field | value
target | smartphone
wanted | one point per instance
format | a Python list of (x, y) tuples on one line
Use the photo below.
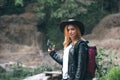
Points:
[(49, 44)]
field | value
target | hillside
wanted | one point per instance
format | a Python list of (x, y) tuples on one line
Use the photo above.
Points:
[(21, 42), (18, 37), (106, 34)]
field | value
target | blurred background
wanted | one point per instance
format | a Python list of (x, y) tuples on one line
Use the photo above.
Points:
[(27, 25)]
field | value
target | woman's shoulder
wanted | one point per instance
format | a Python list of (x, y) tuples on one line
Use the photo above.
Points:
[(82, 43)]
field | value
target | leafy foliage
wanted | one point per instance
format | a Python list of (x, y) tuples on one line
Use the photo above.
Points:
[(113, 74), (19, 72), (9, 7), (19, 2), (105, 61), (52, 12), (13, 6)]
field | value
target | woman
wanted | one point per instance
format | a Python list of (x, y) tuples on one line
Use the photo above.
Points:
[(74, 60)]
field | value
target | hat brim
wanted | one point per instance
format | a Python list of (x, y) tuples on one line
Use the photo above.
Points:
[(77, 23)]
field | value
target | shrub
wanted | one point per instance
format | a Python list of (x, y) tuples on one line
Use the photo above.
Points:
[(105, 61), (113, 74), (19, 72), (22, 72)]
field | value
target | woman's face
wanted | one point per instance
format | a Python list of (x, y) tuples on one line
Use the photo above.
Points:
[(72, 31)]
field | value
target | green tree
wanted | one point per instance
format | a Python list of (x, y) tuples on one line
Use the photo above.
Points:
[(13, 6), (51, 12), (19, 2), (110, 6)]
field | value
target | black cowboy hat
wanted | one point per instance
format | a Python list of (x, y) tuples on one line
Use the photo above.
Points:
[(74, 22)]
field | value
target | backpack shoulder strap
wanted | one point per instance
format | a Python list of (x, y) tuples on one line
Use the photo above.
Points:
[(81, 41)]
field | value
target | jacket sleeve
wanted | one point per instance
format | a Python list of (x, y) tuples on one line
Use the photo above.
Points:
[(82, 62), (56, 57)]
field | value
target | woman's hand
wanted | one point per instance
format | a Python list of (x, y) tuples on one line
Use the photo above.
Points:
[(51, 49)]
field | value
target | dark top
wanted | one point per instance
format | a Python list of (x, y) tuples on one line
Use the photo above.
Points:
[(77, 61)]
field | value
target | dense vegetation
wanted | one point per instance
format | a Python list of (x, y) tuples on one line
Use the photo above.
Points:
[(19, 72), (8, 7), (107, 70), (105, 63)]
